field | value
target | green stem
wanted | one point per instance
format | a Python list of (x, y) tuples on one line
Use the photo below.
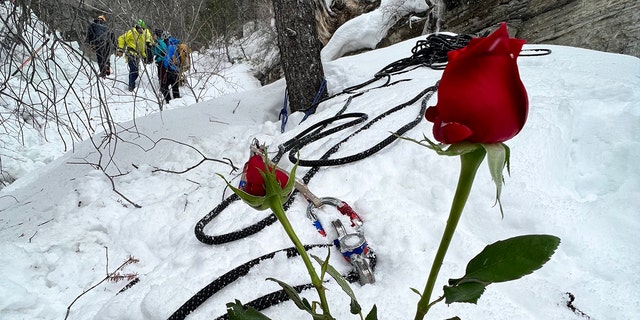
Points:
[(469, 166), (276, 206)]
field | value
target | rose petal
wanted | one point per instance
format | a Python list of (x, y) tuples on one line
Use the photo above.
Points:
[(455, 132), (431, 114)]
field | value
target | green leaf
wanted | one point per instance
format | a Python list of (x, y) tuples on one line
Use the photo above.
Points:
[(373, 314), (293, 294), (306, 303), (416, 291), (355, 306), (292, 179), (468, 292), (272, 186), (497, 159), (325, 265), (256, 202), (236, 311), (510, 259), (318, 316), (452, 150), (508, 156), (461, 148)]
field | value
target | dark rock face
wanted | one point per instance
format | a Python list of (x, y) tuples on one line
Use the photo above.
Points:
[(605, 25)]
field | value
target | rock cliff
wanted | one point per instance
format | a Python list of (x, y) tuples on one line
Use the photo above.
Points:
[(605, 25)]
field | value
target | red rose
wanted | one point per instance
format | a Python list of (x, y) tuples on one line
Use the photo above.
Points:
[(254, 181), (480, 97)]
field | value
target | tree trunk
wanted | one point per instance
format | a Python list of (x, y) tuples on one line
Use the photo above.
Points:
[(299, 51)]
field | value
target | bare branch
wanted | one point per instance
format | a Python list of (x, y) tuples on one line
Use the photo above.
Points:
[(113, 276)]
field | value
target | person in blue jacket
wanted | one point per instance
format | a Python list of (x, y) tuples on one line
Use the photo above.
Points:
[(172, 64)]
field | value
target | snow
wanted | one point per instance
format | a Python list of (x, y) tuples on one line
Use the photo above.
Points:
[(366, 30), (572, 175)]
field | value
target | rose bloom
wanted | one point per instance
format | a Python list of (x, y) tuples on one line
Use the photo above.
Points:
[(481, 98), (255, 185)]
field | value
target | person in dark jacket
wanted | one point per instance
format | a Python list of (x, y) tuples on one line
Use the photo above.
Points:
[(101, 40)]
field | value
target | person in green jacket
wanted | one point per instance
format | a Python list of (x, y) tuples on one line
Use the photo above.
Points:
[(133, 44)]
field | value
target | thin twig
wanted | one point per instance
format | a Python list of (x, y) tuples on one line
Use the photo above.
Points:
[(34, 234), (46, 222), (109, 276)]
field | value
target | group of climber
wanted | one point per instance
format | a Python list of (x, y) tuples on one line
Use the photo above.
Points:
[(139, 44)]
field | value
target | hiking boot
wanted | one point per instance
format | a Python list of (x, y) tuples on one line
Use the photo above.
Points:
[(131, 89)]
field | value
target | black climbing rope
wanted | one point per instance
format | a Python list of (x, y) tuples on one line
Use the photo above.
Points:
[(233, 275)]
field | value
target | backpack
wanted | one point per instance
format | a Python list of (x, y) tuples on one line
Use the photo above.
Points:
[(171, 59), (184, 55), (175, 62)]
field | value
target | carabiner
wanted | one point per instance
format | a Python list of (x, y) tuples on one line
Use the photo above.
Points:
[(353, 246)]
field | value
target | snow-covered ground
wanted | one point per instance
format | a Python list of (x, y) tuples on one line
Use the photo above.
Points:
[(573, 175)]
